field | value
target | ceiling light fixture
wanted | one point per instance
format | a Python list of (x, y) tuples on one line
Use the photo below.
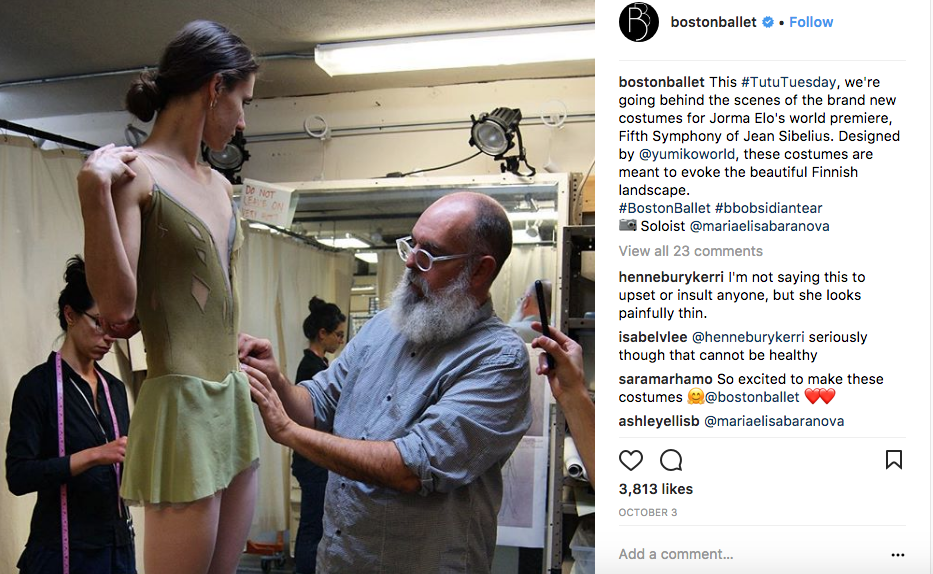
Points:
[(542, 215), (368, 256), (492, 134), (346, 242), (520, 237), (459, 50)]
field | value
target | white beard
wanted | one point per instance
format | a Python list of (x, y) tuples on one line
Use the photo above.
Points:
[(437, 316), (517, 316)]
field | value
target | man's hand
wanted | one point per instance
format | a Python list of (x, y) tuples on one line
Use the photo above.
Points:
[(257, 353), (270, 406), (374, 462), (567, 374), (568, 386)]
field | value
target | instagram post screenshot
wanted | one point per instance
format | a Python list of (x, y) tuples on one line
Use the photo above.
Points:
[(763, 287), (295, 287)]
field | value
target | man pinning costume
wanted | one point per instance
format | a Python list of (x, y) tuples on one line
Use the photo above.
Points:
[(419, 413)]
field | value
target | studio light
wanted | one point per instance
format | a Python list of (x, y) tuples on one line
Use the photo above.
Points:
[(460, 50), (229, 160), (492, 134), (533, 229), (134, 136)]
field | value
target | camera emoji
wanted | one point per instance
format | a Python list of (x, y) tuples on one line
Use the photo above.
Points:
[(628, 225)]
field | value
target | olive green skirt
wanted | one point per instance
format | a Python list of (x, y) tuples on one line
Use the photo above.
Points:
[(188, 439)]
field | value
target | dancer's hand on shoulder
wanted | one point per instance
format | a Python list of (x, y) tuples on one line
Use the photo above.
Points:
[(106, 167)]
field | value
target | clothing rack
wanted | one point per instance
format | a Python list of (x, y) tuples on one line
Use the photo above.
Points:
[(26, 130)]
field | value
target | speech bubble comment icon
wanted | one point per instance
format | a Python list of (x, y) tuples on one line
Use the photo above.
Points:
[(671, 460)]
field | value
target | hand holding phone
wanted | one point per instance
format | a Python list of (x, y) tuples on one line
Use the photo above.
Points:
[(542, 313)]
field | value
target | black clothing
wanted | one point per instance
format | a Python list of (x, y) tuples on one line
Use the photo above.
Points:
[(33, 464), (313, 481), (310, 365), (109, 560)]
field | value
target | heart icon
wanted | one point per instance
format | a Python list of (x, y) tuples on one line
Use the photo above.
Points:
[(630, 459), (813, 395), (827, 395)]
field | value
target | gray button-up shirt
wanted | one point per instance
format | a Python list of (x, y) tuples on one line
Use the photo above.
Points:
[(456, 411)]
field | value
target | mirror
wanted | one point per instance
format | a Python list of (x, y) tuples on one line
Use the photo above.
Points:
[(367, 216)]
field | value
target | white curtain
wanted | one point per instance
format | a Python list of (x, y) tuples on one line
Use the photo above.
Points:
[(389, 269), (278, 276), (524, 265), (40, 228)]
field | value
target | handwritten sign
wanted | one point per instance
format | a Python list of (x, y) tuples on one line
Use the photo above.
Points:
[(267, 203)]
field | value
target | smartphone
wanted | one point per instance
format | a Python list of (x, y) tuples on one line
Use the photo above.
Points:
[(542, 312)]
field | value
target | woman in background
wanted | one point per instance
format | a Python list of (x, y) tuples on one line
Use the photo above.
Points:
[(161, 241), (325, 327), (94, 422)]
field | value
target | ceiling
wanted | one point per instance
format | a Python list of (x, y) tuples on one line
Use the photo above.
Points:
[(55, 38)]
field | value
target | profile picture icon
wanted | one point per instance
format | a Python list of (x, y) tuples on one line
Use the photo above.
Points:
[(639, 21)]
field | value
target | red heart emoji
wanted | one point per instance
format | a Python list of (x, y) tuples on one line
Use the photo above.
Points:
[(813, 395), (827, 395)]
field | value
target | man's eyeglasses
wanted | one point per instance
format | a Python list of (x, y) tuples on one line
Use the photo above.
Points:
[(423, 259), (97, 325)]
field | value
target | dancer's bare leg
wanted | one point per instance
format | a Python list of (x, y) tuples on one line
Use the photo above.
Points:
[(181, 539), (206, 536), (236, 516)]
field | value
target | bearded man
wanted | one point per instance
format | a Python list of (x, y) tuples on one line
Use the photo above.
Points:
[(527, 312), (418, 414)]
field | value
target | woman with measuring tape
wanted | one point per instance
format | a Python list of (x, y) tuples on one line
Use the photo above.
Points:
[(67, 440)]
